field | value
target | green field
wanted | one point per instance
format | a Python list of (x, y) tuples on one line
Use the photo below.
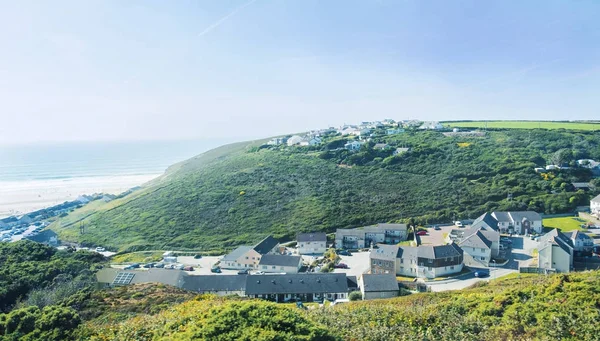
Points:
[(565, 224), (525, 125)]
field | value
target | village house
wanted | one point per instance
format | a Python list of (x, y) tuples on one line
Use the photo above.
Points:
[(353, 146), (480, 245), (280, 263), (294, 140), (373, 286), (431, 126), (221, 285), (595, 206), (381, 146), (521, 222), (306, 287), (276, 141), (370, 235), (581, 241), (248, 257), (555, 252), (400, 151), (311, 243), (422, 261)]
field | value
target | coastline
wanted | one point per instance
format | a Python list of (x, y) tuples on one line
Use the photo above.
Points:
[(19, 197)]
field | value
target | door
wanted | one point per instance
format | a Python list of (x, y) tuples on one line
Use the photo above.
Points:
[(280, 298)]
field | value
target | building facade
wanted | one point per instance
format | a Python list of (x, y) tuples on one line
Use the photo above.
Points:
[(311, 243), (555, 252), (370, 235), (280, 263)]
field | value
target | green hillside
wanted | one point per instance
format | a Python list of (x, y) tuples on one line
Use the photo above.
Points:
[(525, 125), (558, 307), (237, 193)]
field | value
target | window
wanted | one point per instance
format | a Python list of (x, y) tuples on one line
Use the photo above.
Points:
[(281, 268), (401, 260), (452, 268), (246, 257), (429, 268), (274, 267), (264, 267), (482, 250), (482, 258)]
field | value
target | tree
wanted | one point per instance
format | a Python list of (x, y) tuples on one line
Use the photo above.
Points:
[(355, 296)]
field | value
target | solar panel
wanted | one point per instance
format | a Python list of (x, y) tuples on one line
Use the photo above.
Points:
[(123, 278)]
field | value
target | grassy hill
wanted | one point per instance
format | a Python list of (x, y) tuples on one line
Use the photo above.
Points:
[(557, 307), (238, 193), (525, 125)]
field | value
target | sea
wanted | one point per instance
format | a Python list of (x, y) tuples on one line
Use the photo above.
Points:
[(96, 159)]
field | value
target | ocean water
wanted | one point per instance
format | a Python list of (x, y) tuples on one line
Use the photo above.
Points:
[(95, 159)]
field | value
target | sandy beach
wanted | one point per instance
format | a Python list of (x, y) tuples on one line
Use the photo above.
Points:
[(17, 197)]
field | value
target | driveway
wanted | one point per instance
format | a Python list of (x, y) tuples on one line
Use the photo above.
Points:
[(358, 264), (434, 237), (203, 265)]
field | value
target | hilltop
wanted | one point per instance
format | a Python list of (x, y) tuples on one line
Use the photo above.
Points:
[(238, 193)]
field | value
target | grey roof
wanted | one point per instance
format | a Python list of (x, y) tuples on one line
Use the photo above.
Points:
[(380, 146), (266, 245), (312, 237), (164, 276), (9, 220), (576, 234), (439, 251), (488, 219), (237, 253), (212, 283), (306, 283), (280, 260), (387, 252), (555, 237), (352, 282), (522, 215), (408, 252), (476, 240), (379, 282), (581, 184), (596, 199), (502, 217), (377, 228)]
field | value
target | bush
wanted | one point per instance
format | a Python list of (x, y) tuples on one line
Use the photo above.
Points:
[(355, 296)]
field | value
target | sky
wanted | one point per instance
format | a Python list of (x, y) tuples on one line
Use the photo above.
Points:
[(115, 70)]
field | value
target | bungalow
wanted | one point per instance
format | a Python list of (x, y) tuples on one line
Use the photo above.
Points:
[(555, 252), (381, 146), (311, 243), (374, 286), (109, 277), (394, 131), (306, 287), (280, 263), (431, 126), (581, 241), (248, 257), (221, 285), (354, 145), (595, 206), (276, 141), (400, 151), (370, 235)]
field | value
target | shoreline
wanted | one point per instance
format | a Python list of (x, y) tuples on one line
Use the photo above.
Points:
[(20, 197)]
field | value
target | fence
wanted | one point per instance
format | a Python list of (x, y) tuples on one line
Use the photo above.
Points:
[(534, 270)]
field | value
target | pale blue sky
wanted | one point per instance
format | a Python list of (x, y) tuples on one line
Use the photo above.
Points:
[(129, 70)]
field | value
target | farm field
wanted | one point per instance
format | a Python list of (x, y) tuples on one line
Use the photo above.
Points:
[(525, 125), (565, 224)]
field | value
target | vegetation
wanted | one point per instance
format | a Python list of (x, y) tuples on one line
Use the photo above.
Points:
[(525, 125), (565, 224), (520, 307), (238, 193)]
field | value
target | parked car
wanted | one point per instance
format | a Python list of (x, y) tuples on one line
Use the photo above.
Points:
[(100, 249), (179, 266), (506, 240), (437, 228), (481, 274), (458, 223), (135, 265), (128, 267), (344, 253), (149, 265), (159, 265), (421, 233), (188, 268), (197, 256), (216, 270), (341, 266), (243, 272), (258, 273)]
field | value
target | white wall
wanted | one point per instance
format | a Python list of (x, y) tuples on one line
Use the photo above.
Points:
[(307, 248)]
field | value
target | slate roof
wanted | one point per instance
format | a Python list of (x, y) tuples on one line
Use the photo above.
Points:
[(280, 260), (476, 240), (164, 276), (502, 217), (488, 219), (213, 283), (385, 252), (521, 215), (312, 237), (237, 253), (352, 283), (266, 245), (439, 251), (306, 283), (555, 237), (576, 234), (379, 282), (408, 252)]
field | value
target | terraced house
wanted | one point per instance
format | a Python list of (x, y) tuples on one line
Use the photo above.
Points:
[(370, 235), (248, 257)]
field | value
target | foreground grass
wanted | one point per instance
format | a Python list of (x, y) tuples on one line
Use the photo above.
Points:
[(525, 125), (565, 224)]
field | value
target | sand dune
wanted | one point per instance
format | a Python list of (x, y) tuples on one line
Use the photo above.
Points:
[(18, 197)]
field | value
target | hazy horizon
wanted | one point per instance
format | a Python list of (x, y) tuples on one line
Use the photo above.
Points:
[(239, 70)]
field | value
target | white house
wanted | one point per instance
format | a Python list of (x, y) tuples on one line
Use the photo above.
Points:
[(581, 241), (555, 252), (311, 243), (520, 222), (381, 146), (595, 206), (400, 151), (248, 257), (370, 235), (354, 145), (431, 126), (280, 263), (294, 140)]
